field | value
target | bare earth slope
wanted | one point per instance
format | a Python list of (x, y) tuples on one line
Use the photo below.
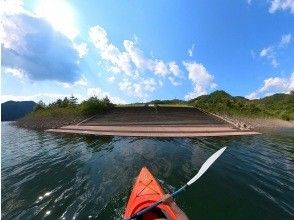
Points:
[(155, 122)]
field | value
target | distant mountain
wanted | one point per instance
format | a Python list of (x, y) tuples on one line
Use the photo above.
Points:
[(276, 106), (11, 110)]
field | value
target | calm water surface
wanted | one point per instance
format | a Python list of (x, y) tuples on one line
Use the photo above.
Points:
[(51, 176)]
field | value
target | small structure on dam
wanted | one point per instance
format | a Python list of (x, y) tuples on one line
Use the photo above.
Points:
[(154, 121)]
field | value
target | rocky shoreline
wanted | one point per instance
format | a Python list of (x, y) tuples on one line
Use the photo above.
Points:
[(258, 124)]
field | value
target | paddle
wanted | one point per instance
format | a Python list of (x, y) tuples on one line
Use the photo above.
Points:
[(202, 170)]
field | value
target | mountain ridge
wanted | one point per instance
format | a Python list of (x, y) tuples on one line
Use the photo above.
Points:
[(13, 110)]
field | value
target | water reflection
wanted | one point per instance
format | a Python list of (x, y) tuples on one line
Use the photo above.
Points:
[(53, 176)]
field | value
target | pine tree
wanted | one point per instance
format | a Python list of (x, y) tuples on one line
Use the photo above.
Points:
[(73, 100)]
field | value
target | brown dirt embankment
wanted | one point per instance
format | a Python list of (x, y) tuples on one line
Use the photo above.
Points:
[(150, 116), (42, 123)]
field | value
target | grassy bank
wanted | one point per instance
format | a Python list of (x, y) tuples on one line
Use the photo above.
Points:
[(63, 112)]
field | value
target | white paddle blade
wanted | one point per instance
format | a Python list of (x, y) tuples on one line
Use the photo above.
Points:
[(206, 165)]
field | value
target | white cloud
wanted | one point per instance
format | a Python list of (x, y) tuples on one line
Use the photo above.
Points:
[(50, 97), (285, 40), (99, 93), (160, 68), (82, 49), (19, 73), (252, 96), (82, 82), (191, 50), (281, 5), (11, 7), (136, 55), (273, 82), (274, 85), (271, 52), (266, 52), (116, 61), (174, 68), (33, 47), (111, 79), (131, 62), (149, 84), (198, 73), (202, 80), (45, 97), (174, 81), (139, 89)]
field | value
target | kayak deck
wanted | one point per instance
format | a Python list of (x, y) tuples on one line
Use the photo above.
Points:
[(145, 192)]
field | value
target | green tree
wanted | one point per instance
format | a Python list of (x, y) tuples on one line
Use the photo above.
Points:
[(65, 102), (40, 106), (106, 100), (73, 101)]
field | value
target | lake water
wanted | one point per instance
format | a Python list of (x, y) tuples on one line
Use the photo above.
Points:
[(55, 176)]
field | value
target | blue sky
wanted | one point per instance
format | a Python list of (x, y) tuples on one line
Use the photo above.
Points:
[(136, 51)]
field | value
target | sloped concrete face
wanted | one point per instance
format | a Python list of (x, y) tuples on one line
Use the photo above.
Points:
[(155, 122)]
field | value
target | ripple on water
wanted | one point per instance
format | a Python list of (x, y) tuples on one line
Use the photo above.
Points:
[(49, 176)]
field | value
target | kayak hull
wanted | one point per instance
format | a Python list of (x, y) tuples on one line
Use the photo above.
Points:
[(145, 192)]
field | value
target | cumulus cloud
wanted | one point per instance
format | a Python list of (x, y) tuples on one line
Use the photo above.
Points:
[(174, 68), (202, 80), (274, 85), (160, 68), (140, 88), (271, 52), (136, 55), (99, 93), (81, 82), (131, 62), (283, 5), (81, 48), (111, 79), (19, 73), (11, 7), (31, 46), (116, 61)]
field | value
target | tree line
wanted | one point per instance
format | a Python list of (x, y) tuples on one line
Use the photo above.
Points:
[(93, 105)]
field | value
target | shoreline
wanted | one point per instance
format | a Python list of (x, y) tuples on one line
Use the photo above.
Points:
[(49, 122), (258, 124), (243, 124)]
